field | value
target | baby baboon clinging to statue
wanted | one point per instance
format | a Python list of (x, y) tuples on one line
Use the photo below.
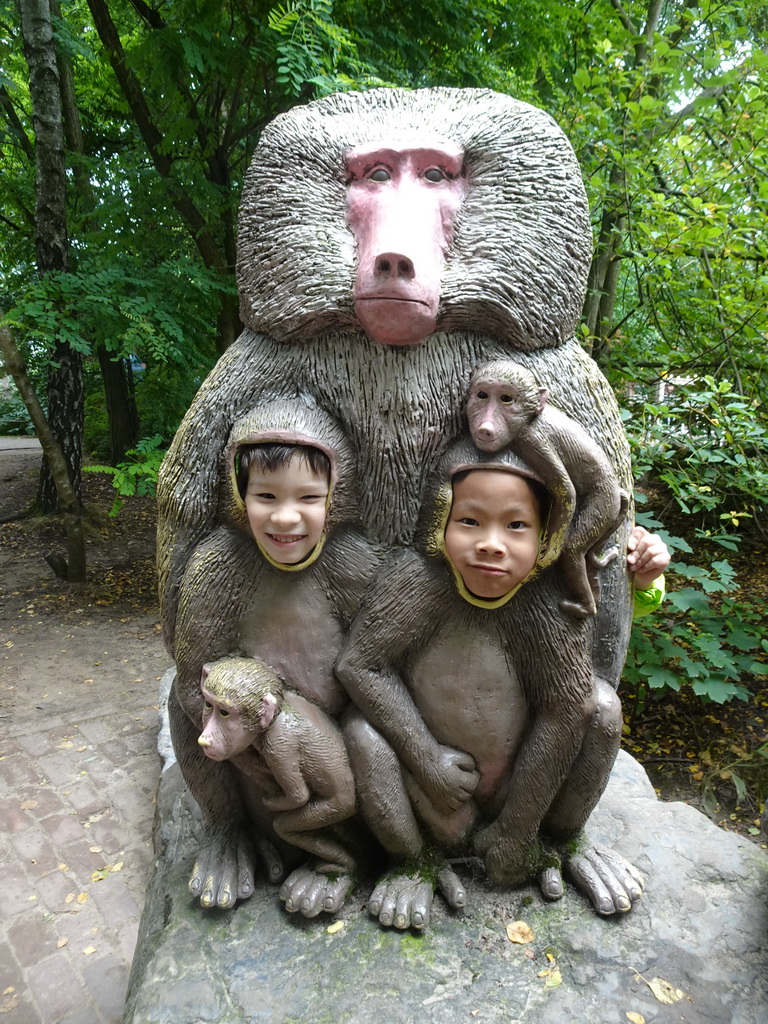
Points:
[(506, 408), (248, 712)]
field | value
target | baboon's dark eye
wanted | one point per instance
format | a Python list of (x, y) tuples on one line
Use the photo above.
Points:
[(223, 713), (482, 394), (507, 399), (380, 174), (434, 174)]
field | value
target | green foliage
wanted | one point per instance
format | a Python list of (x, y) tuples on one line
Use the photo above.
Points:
[(705, 635), (705, 444), (138, 474), (14, 418)]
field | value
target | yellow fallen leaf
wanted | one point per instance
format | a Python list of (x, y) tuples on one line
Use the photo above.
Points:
[(119, 867), (62, 867), (61, 942), (69, 897), (82, 897), (331, 929), (100, 875), (636, 1018), (520, 932), (554, 978), (89, 949), (664, 992), (95, 849), (29, 805), (7, 991)]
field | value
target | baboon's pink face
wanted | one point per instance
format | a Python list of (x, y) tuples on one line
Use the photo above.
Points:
[(224, 734), (401, 205)]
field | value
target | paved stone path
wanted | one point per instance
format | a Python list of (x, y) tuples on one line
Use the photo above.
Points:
[(78, 775), (76, 809)]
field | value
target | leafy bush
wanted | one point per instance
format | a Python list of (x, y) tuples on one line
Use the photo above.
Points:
[(14, 418), (138, 474), (704, 635), (707, 446)]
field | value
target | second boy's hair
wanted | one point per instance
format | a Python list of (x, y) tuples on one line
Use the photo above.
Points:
[(540, 493), (269, 457)]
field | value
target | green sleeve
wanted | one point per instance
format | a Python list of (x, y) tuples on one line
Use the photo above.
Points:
[(648, 600)]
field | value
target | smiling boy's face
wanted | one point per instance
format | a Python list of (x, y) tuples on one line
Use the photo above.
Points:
[(492, 535), (286, 509)]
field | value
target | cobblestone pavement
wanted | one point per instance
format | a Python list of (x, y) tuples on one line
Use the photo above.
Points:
[(76, 809), (78, 774)]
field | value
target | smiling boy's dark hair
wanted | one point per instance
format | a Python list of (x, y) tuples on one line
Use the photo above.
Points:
[(269, 457)]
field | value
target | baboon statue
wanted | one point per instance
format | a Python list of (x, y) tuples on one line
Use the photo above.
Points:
[(506, 408), (390, 243)]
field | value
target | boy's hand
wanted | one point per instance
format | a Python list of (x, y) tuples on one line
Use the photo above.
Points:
[(647, 556)]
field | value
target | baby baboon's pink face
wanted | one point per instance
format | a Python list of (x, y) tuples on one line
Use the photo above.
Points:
[(401, 206), (224, 734)]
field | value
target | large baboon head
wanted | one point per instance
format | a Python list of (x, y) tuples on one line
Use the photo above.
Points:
[(405, 213)]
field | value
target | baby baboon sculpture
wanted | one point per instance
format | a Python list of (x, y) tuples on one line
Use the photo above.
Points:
[(390, 244), (506, 408), (248, 712)]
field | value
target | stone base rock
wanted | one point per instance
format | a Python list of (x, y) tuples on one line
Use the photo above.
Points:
[(702, 927)]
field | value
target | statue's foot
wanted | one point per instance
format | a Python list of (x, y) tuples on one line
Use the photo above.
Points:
[(405, 900), (224, 869), (311, 890), (610, 882), (551, 883)]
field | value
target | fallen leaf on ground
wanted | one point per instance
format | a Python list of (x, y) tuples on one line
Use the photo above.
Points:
[(29, 805), (664, 992), (520, 932), (119, 867), (69, 897), (636, 1018), (95, 849), (61, 942), (83, 896), (89, 949), (100, 875), (331, 929)]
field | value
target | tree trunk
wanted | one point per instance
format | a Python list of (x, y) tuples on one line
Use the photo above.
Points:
[(69, 502), (65, 376), (121, 405)]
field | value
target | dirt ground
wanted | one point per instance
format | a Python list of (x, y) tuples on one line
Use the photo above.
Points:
[(63, 645), (60, 644)]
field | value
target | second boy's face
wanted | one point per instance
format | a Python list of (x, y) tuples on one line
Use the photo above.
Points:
[(286, 510), (492, 536)]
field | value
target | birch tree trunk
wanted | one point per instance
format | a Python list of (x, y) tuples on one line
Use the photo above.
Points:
[(65, 377)]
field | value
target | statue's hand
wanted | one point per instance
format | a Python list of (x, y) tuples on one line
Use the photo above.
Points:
[(450, 778)]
